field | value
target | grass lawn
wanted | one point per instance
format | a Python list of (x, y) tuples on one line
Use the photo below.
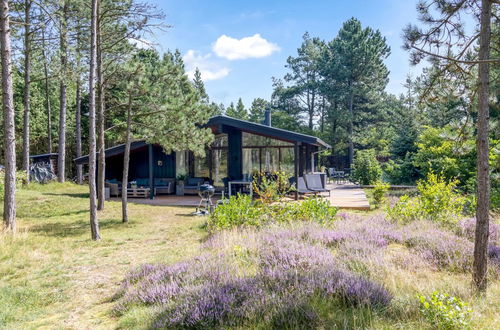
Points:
[(52, 274)]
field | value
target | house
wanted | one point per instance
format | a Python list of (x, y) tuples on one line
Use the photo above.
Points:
[(240, 149)]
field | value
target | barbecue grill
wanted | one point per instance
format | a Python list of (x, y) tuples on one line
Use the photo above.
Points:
[(205, 191)]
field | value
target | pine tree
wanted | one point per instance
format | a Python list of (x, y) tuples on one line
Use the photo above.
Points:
[(94, 224), (238, 112), (200, 86), (448, 46), (354, 63), (9, 202), (257, 109)]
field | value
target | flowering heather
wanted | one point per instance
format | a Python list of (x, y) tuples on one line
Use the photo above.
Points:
[(467, 228), (271, 275), (441, 248), (494, 255), (215, 291)]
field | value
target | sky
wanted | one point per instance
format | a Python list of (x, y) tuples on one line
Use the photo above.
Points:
[(240, 45)]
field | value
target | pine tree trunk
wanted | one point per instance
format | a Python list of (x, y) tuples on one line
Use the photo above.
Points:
[(126, 161), (26, 97), (61, 160), (78, 133), (47, 95), (9, 208), (79, 168), (483, 181), (101, 168), (351, 119), (94, 224)]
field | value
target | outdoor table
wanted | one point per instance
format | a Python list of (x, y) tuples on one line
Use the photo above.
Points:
[(240, 182), (138, 192), (339, 175)]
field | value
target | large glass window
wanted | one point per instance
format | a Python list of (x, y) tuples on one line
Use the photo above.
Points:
[(287, 160), (252, 140), (265, 154), (202, 166), (181, 163), (251, 162), (219, 166)]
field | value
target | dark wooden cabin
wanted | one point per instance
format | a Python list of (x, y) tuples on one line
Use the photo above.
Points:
[(240, 149)]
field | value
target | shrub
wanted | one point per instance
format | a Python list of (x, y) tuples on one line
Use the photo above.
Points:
[(495, 199), (401, 171), (407, 209), (366, 168), (242, 211), (494, 255), (315, 209), (440, 248), (445, 312), (467, 228), (271, 187), (239, 211), (21, 179), (437, 201), (379, 192)]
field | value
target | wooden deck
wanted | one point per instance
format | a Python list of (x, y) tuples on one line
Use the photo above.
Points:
[(348, 196), (344, 196)]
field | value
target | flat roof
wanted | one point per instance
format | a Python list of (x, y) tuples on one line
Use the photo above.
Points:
[(269, 131), (52, 154), (113, 151)]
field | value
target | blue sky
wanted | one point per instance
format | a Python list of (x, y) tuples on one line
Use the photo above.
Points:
[(209, 34)]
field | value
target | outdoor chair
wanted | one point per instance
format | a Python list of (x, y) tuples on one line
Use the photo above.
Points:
[(192, 185), (331, 173), (164, 185), (314, 183), (114, 188), (302, 187)]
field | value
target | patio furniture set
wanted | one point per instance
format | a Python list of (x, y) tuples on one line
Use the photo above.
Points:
[(337, 176), (140, 188)]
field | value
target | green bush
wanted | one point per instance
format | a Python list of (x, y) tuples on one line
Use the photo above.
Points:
[(271, 187), (437, 201), (240, 210), (366, 168), (445, 312), (379, 192), (401, 171), (21, 179), (495, 199), (315, 209)]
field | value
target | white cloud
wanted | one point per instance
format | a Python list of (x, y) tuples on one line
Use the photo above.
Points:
[(248, 47), (209, 69)]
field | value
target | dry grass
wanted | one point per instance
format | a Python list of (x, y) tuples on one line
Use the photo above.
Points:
[(52, 275)]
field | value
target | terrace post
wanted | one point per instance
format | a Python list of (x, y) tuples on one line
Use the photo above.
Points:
[(296, 168), (151, 183)]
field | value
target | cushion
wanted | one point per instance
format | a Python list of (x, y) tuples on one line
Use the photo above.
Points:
[(194, 181), (161, 182), (142, 182)]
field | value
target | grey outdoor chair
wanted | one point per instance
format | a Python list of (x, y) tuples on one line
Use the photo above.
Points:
[(302, 187), (315, 183)]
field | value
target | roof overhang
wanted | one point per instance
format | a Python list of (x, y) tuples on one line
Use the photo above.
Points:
[(113, 151)]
